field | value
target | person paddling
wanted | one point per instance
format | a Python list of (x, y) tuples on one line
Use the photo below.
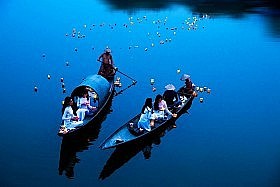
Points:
[(107, 64)]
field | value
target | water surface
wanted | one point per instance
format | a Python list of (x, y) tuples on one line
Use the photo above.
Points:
[(232, 139)]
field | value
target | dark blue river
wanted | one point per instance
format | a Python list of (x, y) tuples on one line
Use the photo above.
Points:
[(232, 47)]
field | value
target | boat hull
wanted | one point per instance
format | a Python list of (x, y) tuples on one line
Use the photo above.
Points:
[(106, 95), (127, 135)]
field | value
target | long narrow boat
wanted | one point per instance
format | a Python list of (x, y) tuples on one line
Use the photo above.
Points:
[(129, 132), (80, 141), (101, 91)]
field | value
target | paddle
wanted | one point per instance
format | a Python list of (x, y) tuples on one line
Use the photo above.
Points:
[(125, 75), (133, 82), (116, 69)]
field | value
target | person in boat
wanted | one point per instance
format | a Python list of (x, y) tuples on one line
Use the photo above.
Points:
[(84, 107), (67, 112), (187, 90), (161, 109), (171, 96), (107, 64), (93, 99), (147, 117)]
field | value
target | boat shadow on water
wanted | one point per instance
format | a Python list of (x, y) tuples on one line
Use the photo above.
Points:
[(123, 154), (79, 141)]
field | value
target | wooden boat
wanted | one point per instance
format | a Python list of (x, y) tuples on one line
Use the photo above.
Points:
[(129, 132), (101, 91), (80, 141)]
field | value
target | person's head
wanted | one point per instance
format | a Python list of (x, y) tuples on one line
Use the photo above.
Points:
[(68, 101), (158, 98), (188, 81), (107, 50), (157, 101), (85, 94), (148, 103)]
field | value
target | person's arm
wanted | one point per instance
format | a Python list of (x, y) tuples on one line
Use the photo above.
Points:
[(166, 108), (64, 116), (89, 106), (167, 111), (164, 96), (176, 95), (100, 57), (79, 102), (112, 62)]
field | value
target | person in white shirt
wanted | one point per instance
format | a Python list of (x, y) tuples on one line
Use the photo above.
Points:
[(161, 109), (67, 112), (84, 106)]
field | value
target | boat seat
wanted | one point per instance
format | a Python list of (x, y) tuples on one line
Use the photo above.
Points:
[(119, 141), (161, 119)]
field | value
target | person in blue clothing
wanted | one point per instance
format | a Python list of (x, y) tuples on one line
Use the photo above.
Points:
[(147, 118)]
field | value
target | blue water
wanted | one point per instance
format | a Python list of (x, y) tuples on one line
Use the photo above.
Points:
[(231, 139)]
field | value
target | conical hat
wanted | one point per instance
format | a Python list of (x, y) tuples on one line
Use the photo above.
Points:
[(170, 87), (184, 77)]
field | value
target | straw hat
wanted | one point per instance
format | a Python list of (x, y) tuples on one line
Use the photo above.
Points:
[(170, 87)]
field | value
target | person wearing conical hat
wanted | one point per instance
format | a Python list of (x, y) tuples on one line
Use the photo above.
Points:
[(107, 64), (171, 96), (187, 90)]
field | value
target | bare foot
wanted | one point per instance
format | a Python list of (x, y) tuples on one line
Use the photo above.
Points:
[(174, 115)]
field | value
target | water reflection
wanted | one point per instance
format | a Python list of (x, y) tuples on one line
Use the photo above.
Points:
[(225, 5), (233, 8), (78, 142), (123, 154), (273, 23)]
